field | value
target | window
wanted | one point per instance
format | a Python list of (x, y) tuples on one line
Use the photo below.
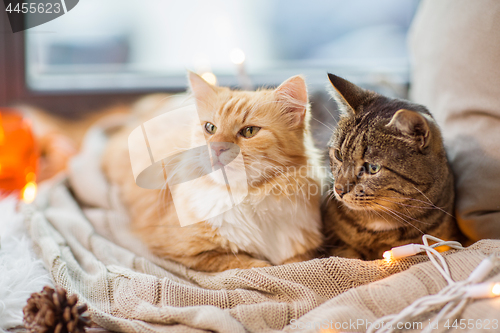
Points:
[(135, 45)]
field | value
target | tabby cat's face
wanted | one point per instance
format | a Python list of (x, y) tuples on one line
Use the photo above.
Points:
[(383, 150), (267, 126)]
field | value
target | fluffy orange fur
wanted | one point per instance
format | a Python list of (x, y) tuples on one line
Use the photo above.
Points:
[(278, 221)]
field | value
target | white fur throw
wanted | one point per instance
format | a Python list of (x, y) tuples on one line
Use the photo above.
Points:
[(21, 273)]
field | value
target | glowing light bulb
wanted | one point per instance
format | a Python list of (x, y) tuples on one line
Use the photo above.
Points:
[(483, 290), (28, 193), (2, 133), (496, 289), (237, 56), (210, 78), (387, 256), (30, 177)]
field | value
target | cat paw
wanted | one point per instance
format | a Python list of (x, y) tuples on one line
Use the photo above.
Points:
[(346, 252), (258, 263), (301, 257)]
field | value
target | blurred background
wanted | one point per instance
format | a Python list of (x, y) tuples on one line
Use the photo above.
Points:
[(115, 44), (105, 54)]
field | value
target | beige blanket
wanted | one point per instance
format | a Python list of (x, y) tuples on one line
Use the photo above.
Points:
[(80, 231)]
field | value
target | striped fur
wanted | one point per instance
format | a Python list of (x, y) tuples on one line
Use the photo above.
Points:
[(413, 192)]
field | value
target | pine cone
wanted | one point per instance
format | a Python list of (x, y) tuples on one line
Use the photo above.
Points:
[(51, 311)]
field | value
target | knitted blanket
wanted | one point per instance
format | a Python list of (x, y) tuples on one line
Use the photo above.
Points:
[(79, 229)]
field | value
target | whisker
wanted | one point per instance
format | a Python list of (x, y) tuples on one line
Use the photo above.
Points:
[(430, 202), (327, 110), (391, 212), (405, 205), (408, 216), (322, 123), (374, 211), (424, 202), (397, 214)]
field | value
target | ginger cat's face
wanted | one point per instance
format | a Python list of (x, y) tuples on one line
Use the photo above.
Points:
[(267, 126)]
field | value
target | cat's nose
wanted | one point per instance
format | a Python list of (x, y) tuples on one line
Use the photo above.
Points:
[(339, 189), (219, 148)]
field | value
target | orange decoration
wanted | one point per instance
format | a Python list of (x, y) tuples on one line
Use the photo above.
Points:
[(18, 156)]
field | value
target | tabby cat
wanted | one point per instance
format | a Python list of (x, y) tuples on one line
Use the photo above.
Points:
[(392, 182), (276, 223)]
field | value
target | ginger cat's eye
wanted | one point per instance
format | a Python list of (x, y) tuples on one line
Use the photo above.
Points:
[(338, 155), (372, 168), (210, 128), (249, 131)]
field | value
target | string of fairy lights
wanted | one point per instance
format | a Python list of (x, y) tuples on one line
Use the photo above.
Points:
[(452, 299)]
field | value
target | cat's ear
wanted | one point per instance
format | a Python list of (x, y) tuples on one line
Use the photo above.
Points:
[(412, 124), (347, 95), (293, 94), (201, 89)]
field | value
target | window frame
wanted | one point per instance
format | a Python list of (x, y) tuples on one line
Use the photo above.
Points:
[(14, 90)]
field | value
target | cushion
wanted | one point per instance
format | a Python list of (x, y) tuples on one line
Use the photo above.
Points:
[(456, 74)]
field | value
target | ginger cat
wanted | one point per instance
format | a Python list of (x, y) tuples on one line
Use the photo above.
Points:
[(278, 221)]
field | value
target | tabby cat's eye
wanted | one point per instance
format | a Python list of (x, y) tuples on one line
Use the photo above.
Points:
[(210, 128), (372, 168), (249, 131), (338, 154)]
